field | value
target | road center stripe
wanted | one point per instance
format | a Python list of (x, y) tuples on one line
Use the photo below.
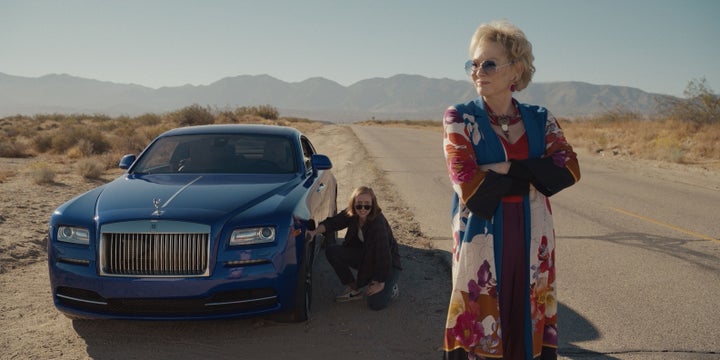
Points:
[(669, 226)]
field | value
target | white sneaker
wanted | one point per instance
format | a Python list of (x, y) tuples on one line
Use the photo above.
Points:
[(349, 295)]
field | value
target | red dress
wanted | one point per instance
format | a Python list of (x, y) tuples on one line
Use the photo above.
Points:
[(513, 273)]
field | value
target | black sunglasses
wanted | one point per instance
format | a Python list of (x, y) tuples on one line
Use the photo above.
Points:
[(487, 67), (360, 207)]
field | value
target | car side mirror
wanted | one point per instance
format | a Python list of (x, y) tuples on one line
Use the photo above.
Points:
[(127, 161), (320, 162)]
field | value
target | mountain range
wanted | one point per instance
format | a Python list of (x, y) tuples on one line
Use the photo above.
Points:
[(400, 97)]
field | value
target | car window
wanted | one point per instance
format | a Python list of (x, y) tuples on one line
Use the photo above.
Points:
[(219, 153), (308, 151), (161, 155)]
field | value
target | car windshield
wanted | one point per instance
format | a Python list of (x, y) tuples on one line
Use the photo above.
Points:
[(218, 153)]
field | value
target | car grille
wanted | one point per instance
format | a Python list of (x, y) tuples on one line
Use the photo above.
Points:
[(154, 254)]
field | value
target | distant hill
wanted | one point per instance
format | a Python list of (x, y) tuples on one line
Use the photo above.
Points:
[(398, 97)]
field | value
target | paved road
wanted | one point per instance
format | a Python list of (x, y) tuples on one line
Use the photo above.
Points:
[(638, 250)]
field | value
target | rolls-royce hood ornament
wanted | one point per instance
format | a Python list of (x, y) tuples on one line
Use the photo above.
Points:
[(156, 205)]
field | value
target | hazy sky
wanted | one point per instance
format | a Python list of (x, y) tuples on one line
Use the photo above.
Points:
[(654, 45)]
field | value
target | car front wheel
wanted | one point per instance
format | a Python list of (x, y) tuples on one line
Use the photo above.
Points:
[(303, 292)]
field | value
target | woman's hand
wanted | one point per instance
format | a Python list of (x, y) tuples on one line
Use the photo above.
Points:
[(375, 287), (320, 229)]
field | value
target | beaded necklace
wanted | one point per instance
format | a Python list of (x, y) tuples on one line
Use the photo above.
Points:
[(504, 121)]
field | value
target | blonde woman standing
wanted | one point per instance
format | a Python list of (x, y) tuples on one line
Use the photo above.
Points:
[(504, 159)]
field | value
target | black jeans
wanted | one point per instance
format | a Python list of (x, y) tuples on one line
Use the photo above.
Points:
[(343, 259)]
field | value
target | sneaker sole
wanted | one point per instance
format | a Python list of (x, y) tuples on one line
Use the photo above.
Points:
[(348, 298)]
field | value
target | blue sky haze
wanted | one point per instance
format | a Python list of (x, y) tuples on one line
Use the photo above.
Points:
[(655, 45)]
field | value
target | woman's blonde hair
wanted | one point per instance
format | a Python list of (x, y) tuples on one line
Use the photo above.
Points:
[(513, 40), (357, 192)]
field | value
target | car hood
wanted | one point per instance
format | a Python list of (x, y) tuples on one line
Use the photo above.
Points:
[(201, 198)]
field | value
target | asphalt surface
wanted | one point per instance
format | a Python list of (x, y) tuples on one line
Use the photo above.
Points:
[(638, 251)]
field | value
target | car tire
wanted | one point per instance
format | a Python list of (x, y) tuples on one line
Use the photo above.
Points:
[(303, 292)]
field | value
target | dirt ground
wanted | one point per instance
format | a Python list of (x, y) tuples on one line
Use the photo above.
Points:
[(31, 327)]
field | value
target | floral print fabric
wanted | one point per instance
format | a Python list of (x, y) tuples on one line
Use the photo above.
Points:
[(473, 321)]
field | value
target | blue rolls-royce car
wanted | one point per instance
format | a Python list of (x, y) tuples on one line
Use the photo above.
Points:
[(207, 222)]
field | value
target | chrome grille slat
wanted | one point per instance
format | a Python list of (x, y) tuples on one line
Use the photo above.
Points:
[(154, 254)]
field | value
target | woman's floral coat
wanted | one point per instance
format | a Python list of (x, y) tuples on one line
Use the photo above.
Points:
[(473, 321)]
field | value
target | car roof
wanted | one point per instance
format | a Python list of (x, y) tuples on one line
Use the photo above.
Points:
[(233, 129)]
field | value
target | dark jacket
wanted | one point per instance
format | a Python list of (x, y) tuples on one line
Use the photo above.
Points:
[(379, 248)]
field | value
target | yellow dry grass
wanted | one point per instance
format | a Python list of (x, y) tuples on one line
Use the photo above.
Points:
[(671, 140), (668, 140), (616, 134)]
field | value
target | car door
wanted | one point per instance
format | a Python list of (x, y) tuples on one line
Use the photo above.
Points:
[(322, 198)]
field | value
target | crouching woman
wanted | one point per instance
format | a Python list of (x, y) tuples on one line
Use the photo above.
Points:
[(369, 247)]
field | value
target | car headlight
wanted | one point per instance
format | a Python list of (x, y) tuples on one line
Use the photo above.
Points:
[(250, 236), (75, 235)]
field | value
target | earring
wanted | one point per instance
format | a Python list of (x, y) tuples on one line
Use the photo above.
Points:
[(512, 87)]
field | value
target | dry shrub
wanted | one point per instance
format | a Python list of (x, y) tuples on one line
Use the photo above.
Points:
[(303, 125), (73, 153), (678, 141), (42, 142), (133, 140), (90, 168), (19, 126), (226, 117), (149, 133), (699, 141), (267, 112), (147, 120), (253, 119), (106, 139), (42, 173), (127, 138), (700, 105), (64, 139), (110, 160), (193, 115), (84, 148), (12, 149)]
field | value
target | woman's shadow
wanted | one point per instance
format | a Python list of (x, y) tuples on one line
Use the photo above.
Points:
[(574, 328)]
